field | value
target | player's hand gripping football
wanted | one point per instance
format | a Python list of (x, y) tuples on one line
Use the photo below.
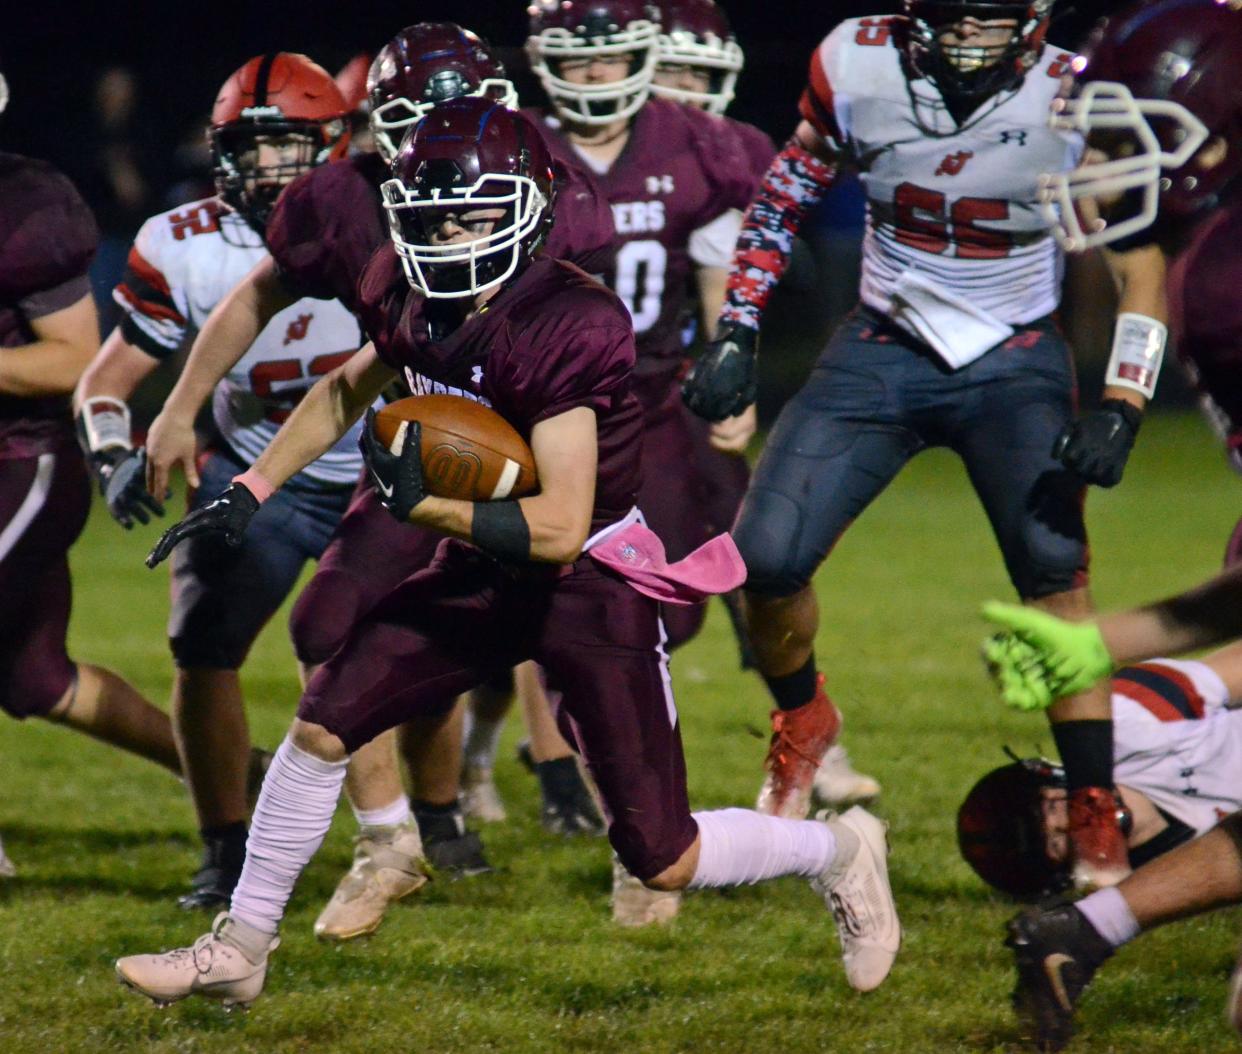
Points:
[(121, 475), (228, 515), (1041, 658), (398, 477), (721, 383), (1097, 445)]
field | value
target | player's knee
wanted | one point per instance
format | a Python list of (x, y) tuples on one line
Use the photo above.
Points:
[(314, 739), (1231, 825), (767, 535), (651, 852), (34, 685), (1048, 563), (682, 623), (200, 647), (322, 616)]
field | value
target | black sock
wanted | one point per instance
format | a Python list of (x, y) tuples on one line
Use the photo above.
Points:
[(438, 823), (226, 843), (1086, 749), (792, 690), (558, 778)]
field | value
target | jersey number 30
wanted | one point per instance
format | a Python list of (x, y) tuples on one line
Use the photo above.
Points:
[(926, 220), (640, 280)]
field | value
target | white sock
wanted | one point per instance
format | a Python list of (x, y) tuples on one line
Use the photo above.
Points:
[(293, 813), (740, 846), (1111, 916), (482, 741), (395, 812)]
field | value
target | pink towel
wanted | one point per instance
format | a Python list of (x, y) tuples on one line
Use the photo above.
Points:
[(637, 555)]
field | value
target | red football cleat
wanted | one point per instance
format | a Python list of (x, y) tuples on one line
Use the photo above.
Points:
[(800, 739), (1097, 844)]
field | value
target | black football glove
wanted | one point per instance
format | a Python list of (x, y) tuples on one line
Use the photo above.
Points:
[(228, 515), (1097, 445), (398, 477), (123, 483), (721, 383)]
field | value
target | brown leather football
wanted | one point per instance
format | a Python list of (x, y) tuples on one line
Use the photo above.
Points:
[(469, 451)]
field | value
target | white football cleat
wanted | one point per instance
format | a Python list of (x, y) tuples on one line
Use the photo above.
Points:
[(856, 890), (229, 964), (634, 905), (7, 870), (388, 865), (479, 797), (837, 784)]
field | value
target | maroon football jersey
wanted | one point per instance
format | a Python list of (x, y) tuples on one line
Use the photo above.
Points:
[(680, 169), (550, 341), (329, 221), (47, 239), (1205, 311)]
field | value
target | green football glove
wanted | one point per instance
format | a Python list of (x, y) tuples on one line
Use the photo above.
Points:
[(1018, 672), (1072, 654)]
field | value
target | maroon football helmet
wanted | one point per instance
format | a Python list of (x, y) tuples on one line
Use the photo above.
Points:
[(1155, 83), (467, 156), (281, 97), (1000, 830), (969, 72), (696, 34), (568, 30), (425, 65)]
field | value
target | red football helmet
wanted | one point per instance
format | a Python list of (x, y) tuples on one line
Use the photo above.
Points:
[(1155, 83), (1000, 830), (468, 155), (282, 105), (971, 72), (425, 65), (696, 34), (567, 30)]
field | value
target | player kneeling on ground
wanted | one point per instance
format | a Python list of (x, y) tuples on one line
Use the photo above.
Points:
[(566, 577)]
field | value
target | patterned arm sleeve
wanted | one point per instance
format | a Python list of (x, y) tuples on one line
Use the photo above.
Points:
[(795, 181)]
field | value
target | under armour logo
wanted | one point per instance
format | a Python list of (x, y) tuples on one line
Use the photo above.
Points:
[(954, 163), (297, 328), (1017, 135), (476, 376)]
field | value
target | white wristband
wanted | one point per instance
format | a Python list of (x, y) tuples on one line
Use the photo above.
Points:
[(1138, 350), (105, 420)]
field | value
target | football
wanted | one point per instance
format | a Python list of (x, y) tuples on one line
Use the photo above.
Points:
[(470, 452)]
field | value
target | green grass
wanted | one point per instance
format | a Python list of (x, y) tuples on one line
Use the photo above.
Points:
[(527, 960)]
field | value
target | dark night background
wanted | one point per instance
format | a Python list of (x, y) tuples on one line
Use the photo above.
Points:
[(53, 53)]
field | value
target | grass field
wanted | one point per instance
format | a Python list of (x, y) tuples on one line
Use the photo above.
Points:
[(526, 959)]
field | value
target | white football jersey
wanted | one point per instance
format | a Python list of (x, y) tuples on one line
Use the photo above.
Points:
[(1175, 740), (182, 264), (954, 205)]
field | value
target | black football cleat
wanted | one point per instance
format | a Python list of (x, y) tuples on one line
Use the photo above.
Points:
[(1057, 953), (568, 807), (213, 883)]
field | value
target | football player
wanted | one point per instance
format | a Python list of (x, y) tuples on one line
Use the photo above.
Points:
[(1177, 747), (464, 300), (48, 332), (943, 112), (322, 232), (276, 117), (672, 175)]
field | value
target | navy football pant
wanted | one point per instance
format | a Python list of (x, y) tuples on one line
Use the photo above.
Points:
[(222, 595), (877, 397)]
